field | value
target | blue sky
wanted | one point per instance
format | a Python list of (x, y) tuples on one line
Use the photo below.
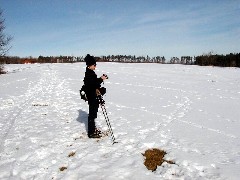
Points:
[(129, 27)]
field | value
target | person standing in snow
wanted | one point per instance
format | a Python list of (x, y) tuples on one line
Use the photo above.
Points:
[(92, 84)]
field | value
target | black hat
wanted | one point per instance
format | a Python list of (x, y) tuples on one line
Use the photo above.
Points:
[(90, 60)]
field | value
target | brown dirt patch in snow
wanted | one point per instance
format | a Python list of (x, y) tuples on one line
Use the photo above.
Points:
[(71, 154), (155, 157), (62, 168)]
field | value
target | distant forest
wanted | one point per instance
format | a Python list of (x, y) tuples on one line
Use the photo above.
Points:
[(229, 60)]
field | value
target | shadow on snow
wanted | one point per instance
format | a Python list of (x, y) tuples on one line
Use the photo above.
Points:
[(83, 118)]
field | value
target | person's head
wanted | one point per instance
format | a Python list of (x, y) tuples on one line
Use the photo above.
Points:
[(92, 67), (90, 62)]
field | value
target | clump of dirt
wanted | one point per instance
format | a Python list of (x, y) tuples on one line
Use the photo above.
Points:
[(71, 154), (62, 168), (155, 157)]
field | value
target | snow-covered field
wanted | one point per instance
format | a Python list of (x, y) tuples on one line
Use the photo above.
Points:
[(191, 112)]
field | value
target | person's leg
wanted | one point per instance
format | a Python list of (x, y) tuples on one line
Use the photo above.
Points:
[(96, 106), (91, 119), (93, 109)]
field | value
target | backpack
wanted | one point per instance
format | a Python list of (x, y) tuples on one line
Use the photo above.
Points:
[(83, 93), (102, 90)]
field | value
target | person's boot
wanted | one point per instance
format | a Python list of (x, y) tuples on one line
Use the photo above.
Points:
[(91, 128), (98, 131), (94, 135)]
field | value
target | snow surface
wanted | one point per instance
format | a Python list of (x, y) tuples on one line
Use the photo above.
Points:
[(191, 112)]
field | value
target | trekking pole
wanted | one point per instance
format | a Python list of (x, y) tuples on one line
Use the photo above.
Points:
[(101, 101)]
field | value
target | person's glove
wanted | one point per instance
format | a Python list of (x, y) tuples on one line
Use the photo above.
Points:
[(98, 93)]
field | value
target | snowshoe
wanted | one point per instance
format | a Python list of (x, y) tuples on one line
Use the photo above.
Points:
[(94, 135), (98, 131)]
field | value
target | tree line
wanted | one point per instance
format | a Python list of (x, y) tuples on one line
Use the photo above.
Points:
[(132, 59), (229, 60), (40, 59), (72, 59)]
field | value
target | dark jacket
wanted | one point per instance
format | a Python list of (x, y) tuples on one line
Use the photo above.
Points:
[(92, 83)]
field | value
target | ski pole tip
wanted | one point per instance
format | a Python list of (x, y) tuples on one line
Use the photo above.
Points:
[(114, 142)]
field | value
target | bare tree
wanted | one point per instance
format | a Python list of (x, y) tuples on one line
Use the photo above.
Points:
[(4, 39), (4, 42)]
